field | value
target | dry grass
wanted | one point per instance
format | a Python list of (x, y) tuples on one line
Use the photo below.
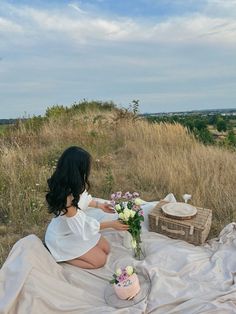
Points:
[(128, 155)]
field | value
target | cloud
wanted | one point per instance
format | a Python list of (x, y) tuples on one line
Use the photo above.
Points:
[(60, 54), (8, 26), (76, 8), (86, 27), (222, 8)]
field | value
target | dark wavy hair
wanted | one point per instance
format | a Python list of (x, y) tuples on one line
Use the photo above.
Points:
[(70, 178)]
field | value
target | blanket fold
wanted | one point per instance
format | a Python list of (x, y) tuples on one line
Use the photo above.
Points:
[(184, 278)]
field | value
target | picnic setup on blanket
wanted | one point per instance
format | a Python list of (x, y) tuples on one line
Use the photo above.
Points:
[(164, 265)]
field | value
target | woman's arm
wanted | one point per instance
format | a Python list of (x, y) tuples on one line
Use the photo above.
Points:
[(115, 224), (103, 206)]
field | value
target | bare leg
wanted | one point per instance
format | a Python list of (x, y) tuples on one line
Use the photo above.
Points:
[(104, 245), (79, 263), (94, 258)]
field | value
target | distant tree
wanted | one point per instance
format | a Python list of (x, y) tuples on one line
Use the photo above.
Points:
[(200, 124), (212, 120), (189, 123), (204, 135), (221, 125), (231, 138)]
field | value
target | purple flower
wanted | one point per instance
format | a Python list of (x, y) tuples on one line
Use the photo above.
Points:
[(141, 213), (135, 194), (113, 203), (122, 277), (113, 196), (118, 194), (128, 195)]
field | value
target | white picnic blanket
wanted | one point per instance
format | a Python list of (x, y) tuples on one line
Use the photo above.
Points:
[(185, 279)]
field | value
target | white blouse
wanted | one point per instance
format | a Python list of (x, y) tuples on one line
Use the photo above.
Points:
[(70, 237)]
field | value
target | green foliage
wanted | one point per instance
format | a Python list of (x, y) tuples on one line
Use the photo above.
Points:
[(3, 128), (56, 111), (204, 135), (199, 125), (231, 138), (221, 125), (34, 124), (86, 105)]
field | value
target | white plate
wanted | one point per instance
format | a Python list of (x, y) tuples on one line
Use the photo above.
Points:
[(179, 209)]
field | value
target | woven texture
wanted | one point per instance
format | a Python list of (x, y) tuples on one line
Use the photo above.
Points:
[(193, 230)]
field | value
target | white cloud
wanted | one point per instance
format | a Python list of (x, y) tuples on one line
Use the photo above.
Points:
[(63, 54), (87, 27), (8, 26), (77, 8), (225, 8)]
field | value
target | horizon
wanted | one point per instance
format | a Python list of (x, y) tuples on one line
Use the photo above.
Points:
[(141, 113), (172, 56)]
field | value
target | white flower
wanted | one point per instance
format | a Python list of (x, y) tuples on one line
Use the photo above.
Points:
[(138, 201), (126, 214), (121, 216), (127, 211), (133, 243), (129, 270), (132, 213), (118, 271), (117, 207)]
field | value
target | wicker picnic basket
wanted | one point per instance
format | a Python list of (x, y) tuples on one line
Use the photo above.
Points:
[(194, 230)]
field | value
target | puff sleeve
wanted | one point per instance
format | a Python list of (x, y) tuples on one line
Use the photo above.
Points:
[(82, 224), (84, 200)]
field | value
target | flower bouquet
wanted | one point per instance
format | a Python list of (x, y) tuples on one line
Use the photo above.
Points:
[(126, 283), (128, 207)]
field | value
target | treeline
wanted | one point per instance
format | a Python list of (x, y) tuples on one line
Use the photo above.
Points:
[(209, 129), (7, 121)]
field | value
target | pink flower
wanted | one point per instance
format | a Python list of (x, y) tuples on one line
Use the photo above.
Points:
[(141, 213)]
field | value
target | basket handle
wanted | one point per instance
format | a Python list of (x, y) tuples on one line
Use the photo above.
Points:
[(181, 232)]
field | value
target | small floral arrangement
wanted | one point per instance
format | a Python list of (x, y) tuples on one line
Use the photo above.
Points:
[(128, 207), (121, 274)]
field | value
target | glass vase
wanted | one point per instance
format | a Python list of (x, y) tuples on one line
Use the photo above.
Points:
[(138, 251)]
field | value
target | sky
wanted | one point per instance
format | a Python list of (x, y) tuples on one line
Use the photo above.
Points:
[(171, 55)]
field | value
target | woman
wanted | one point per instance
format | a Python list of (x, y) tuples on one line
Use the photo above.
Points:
[(72, 236)]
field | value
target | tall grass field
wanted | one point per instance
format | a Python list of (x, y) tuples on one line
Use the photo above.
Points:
[(129, 154)]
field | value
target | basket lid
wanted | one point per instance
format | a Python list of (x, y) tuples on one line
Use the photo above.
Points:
[(179, 210)]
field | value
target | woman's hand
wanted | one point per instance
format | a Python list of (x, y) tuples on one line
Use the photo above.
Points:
[(115, 224), (107, 208), (118, 225)]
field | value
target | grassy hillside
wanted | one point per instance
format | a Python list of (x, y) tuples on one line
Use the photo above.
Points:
[(128, 154)]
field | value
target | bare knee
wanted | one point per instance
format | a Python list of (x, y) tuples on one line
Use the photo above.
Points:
[(106, 248), (100, 261), (104, 245)]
